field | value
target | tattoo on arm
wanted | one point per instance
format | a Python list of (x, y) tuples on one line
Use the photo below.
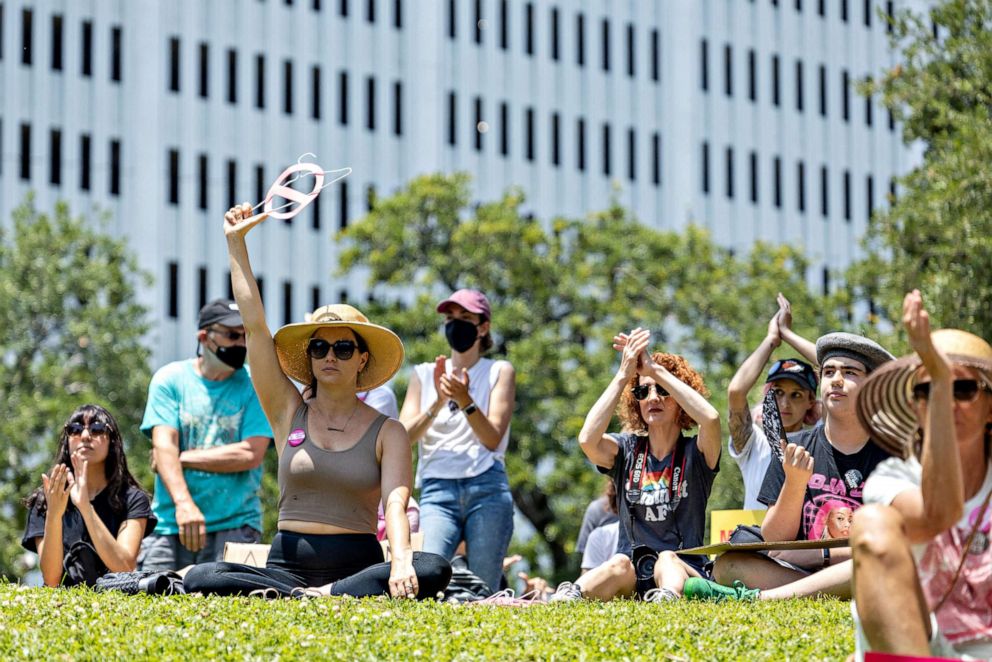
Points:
[(740, 428)]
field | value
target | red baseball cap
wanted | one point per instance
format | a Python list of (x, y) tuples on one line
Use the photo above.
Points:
[(473, 301)]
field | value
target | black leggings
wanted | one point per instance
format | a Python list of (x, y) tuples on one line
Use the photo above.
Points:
[(353, 562)]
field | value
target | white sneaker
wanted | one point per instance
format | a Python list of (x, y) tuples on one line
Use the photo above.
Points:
[(566, 592)]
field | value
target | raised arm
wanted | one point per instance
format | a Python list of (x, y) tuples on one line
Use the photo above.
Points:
[(599, 447), (415, 420), (276, 393), (939, 502), (118, 551), (49, 547), (743, 381), (694, 404), (800, 344)]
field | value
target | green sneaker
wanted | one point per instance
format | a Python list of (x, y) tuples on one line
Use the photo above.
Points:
[(697, 588)]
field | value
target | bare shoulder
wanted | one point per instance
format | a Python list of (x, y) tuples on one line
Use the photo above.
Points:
[(393, 430)]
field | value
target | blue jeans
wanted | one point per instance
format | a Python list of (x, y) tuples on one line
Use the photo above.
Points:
[(478, 510)]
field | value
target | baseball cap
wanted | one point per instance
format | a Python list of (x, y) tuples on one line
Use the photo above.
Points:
[(473, 301), (220, 311), (795, 370)]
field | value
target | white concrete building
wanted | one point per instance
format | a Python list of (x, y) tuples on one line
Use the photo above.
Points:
[(740, 115)]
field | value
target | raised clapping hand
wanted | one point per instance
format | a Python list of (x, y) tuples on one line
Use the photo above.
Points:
[(633, 349), (917, 322), (455, 387), (774, 335), (797, 463), (239, 220), (56, 485), (784, 312), (78, 488)]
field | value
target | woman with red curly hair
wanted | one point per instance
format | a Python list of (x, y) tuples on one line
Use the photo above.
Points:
[(663, 477)]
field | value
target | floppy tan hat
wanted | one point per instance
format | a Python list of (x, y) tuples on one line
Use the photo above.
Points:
[(885, 400), (385, 347)]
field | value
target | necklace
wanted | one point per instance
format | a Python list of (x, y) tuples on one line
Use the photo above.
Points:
[(350, 416)]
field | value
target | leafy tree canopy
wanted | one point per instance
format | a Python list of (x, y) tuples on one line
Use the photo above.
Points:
[(937, 235)]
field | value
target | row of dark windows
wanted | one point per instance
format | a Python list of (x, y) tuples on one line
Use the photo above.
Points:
[(344, 9), (753, 190), (204, 293), (868, 9), (480, 24), (479, 127), (262, 180), (316, 82), (27, 146), (57, 56), (775, 74)]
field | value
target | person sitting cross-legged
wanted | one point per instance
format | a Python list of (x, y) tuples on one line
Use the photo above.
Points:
[(337, 455), (663, 477), (822, 466)]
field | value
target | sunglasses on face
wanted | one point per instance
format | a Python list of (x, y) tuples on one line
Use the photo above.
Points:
[(233, 336), (965, 390), (643, 391), (343, 349), (96, 429)]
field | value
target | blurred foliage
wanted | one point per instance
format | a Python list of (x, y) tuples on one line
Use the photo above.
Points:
[(71, 332), (560, 289), (937, 234)]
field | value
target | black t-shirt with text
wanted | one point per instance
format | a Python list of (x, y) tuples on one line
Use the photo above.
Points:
[(135, 505), (655, 524), (834, 490)]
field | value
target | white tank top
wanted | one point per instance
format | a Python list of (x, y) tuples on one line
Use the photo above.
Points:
[(449, 448)]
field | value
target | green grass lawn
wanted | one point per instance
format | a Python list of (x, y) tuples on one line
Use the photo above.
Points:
[(79, 624)]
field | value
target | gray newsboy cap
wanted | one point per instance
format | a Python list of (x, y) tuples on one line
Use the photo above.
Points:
[(851, 346)]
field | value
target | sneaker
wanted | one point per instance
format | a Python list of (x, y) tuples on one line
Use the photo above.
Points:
[(566, 592), (697, 588), (660, 595)]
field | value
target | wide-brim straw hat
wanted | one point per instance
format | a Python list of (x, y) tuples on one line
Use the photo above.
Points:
[(385, 347), (885, 401)]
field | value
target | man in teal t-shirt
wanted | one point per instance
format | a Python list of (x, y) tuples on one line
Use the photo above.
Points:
[(209, 436)]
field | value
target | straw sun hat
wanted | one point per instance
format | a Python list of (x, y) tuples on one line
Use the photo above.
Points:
[(885, 400), (385, 347)]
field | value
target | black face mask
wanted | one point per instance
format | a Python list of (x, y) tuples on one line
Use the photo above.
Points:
[(233, 356), (460, 334)]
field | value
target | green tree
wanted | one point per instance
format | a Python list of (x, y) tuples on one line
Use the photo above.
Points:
[(71, 333), (937, 235), (560, 290)]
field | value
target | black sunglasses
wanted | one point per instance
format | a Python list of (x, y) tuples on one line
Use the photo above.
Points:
[(642, 391), (343, 349), (965, 390), (96, 428), (233, 336)]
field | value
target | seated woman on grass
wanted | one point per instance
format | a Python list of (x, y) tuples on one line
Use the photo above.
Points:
[(922, 559), (337, 455), (663, 477), (90, 514)]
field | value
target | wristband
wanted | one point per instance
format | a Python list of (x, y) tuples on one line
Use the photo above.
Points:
[(429, 414), (826, 557), (471, 409)]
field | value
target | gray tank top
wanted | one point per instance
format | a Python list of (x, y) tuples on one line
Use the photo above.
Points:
[(340, 488)]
